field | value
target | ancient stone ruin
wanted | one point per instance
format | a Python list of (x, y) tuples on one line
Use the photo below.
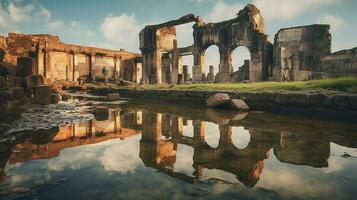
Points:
[(297, 53)]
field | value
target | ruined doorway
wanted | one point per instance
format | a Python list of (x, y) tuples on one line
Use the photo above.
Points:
[(185, 67), (241, 64), (211, 60)]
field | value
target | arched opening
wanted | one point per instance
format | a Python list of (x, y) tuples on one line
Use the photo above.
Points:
[(184, 35), (212, 135), (212, 57), (241, 64), (240, 137), (185, 67)]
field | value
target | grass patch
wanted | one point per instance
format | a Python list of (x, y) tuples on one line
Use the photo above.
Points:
[(344, 84)]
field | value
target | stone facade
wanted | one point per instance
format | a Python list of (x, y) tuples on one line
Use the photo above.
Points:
[(247, 29), (59, 61)]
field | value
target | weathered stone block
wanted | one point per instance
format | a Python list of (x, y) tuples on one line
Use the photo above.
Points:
[(18, 92), (42, 95), (219, 99), (55, 98), (7, 69), (113, 96), (19, 81), (239, 104), (25, 66), (101, 113), (34, 80)]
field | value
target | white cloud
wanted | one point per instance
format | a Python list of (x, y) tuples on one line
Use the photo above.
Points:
[(75, 24), (335, 21), (222, 11), (3, 18), (122, 30), (44, 13), (19, 13), (58, 24), (288, 9)]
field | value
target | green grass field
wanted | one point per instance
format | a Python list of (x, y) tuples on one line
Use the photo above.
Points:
[(345, 85)]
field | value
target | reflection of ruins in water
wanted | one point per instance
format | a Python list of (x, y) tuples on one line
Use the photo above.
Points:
[(162, 134)]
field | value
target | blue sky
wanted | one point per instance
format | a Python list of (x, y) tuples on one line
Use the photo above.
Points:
[(115, 23)]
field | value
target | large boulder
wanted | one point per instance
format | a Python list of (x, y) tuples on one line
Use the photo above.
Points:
[(34, 80), (2, 55), (218, 100), (239, 104), (42, 95), (25, 66)]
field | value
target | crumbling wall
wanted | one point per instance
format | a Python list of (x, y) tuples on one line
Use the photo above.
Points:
[(298, 50), (59, 61), (341, 63)]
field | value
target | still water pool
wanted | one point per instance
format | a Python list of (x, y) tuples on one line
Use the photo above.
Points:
[(148, 151)]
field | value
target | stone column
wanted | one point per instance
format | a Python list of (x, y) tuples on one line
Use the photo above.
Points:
[(210, 75), (92, 67), (225, 66), (175, 63), (116, 68), (199, 131), (225, 137), (177, 126), (184, 73), (75, 67), (47, 67), (151, 126), (198, 67)]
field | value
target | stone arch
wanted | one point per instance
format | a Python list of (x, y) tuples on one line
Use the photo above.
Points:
[(241, 58), (212, 58)]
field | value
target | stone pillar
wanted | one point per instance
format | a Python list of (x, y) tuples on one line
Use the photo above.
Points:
[(47, 67), (175, 63), (184, 73), (75, 67), (198, 67), (116, 68), (92, 67), (151, 126), (225, 66), (147, 63), (198, 130), (177, 126), (156, 71), (210, 75), (166, 125), (41, 62), (225, 137)]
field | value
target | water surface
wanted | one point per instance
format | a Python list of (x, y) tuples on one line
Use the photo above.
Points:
[(140, 151)]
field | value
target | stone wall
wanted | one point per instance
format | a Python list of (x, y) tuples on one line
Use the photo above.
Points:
[(298, 50), (59, 61), (341, 63)]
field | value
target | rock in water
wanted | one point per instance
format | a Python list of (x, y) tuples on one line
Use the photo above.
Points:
[(218, 100), (239, 104)]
